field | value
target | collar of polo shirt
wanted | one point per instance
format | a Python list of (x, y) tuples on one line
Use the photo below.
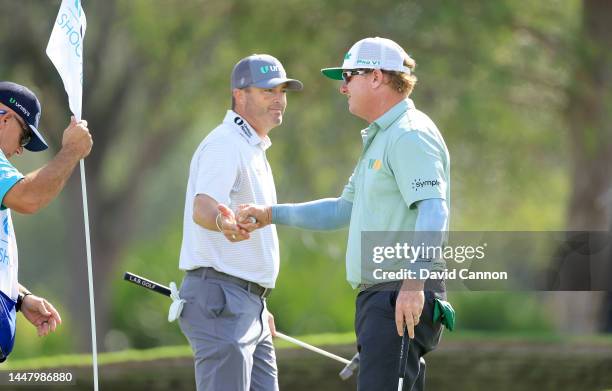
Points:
[(246, 130)]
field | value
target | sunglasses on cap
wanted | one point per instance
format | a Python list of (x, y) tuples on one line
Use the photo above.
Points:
[(346, 75), (26, 133)]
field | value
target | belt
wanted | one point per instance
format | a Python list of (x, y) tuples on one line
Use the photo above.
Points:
[(433, 285), (251, 287), (381, 286)]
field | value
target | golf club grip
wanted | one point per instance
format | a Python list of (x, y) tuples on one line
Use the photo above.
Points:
[(403, 361), (146, 283)]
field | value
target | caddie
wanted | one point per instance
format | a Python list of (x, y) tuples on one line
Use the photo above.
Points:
[(20, 113)]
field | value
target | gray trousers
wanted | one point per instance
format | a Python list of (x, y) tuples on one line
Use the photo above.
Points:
[(379, 345), (227, 328)]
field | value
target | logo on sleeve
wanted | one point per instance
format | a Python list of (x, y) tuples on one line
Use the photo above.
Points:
[(418, 184)]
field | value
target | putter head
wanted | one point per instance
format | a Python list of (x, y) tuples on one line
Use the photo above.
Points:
[(350, 368)]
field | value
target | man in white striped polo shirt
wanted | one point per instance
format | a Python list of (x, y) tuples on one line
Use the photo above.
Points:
[(229, 270)]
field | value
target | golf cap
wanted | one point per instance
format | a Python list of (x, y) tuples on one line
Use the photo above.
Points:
[(23, 102), (371, 53), (263, 71)]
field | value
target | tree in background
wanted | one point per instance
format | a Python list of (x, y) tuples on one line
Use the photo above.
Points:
[(146, 72), (589, 104), (503, 80)]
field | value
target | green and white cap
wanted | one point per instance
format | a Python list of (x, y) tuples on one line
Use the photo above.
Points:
[(371, 53)]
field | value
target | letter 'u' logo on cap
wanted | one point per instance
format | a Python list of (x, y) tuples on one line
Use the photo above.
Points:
[(12, 100), (265, 69)]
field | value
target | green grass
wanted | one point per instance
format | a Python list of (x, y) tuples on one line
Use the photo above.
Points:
[(492, 336), (166, 352), (83, 360), (602, 340)]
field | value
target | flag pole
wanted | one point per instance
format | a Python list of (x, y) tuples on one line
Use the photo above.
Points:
[(94, 344), (65, 49)]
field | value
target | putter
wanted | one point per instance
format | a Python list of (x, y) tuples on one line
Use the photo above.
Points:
[(403, 359), (345, 373), (350, 368)]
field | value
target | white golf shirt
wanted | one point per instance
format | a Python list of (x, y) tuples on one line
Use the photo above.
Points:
[(230, 166), (8, 246)]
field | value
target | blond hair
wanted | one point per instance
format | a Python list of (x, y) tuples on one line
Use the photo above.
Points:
[(403, 82)]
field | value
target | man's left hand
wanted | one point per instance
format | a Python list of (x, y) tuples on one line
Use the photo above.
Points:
[(41, 314), (409, 305)]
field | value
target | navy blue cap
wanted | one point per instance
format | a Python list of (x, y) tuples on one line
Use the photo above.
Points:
[(23, 102), (263, 71)]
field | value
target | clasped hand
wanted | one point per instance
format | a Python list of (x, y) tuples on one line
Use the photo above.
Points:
[(237, 227)]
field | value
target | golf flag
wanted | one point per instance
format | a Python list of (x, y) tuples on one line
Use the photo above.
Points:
[(65, 49)]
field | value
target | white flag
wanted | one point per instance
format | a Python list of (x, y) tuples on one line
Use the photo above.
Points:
[(65, 49)]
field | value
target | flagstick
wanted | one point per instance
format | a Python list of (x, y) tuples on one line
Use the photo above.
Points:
[(92, 310), (68, 60)]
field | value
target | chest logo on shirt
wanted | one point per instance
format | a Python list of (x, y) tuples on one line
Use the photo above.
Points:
[(4, 243), (244, 127), (374, 164), (5, 225), (418, 184)]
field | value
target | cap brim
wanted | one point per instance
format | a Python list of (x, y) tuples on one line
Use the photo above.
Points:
[(292, 84), (37, 143), (332, 73)]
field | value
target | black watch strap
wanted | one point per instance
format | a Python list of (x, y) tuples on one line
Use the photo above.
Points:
[(20, 298)]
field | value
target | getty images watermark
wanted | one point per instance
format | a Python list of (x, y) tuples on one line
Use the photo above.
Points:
[(418, 258), (501, 261)]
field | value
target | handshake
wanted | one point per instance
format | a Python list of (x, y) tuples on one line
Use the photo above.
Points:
[(248, 217)]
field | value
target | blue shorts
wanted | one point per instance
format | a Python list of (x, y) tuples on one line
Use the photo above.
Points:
[(7, 325)]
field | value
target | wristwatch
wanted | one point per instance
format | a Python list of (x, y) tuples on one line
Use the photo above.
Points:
[(20, 298)]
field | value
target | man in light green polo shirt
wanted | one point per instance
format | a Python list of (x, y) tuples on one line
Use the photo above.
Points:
[(402, 141), (400, 184)]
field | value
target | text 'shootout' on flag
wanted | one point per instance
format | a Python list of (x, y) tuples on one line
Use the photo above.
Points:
[(65, 49)]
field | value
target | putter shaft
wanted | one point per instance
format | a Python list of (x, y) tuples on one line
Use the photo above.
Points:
[(312, 348)]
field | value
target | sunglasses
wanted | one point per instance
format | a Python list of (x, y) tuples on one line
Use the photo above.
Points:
[(346, 75), (26, 133)]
